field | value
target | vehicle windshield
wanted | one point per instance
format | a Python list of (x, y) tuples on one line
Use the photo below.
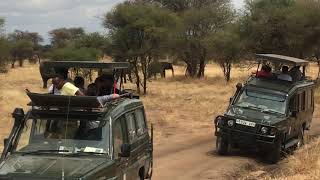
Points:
[(261, 101), (60, 136)]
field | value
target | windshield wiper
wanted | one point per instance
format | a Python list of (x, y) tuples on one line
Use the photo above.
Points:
[(82, 153), (271, 111), (45, 151)]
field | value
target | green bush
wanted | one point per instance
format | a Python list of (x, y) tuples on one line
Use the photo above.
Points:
[(73, 54)]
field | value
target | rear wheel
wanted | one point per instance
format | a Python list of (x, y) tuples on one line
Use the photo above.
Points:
[(222, 145), (141, 174)]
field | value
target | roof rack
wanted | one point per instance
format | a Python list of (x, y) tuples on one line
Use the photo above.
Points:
[(70, 102), (56, 101), (283, 59), (86, 64)]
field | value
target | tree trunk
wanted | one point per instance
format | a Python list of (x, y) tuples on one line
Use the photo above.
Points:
[(191, 70), (136, 72), (20, 62), (201, 69), (13, 62), (226, 68), (202, 64)]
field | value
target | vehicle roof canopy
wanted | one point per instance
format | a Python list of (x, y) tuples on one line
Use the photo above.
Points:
[(283, 59), (86, 64), (50, 100), (277, 85)]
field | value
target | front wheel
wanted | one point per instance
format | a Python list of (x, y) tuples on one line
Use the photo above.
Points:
[(222, 145), (300, 142), (275, 153)]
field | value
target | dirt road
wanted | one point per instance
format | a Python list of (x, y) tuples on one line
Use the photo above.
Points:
[(195, 158)]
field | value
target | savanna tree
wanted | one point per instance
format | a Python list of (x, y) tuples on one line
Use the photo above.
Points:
[(226, 47), (138, 32), (4, 47), (61, 37), (24, 45), (199, 19)]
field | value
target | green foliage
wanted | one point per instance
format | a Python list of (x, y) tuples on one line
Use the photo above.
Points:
[(289, 27), (61, 37), (73, 54), (138, 34), (4, 54), (21, 50), (94, 40), (226, 47), (199, 20)]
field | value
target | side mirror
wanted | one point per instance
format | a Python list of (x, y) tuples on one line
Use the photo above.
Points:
[(294, 114), (231, 99), (125, 150), (18, 115), (239, 86), (5, 142)]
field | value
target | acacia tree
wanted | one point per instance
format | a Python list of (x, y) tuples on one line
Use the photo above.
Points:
[(227, 47), (61, 37), (199, 20), (4, 47), (94, 40), (24, 45), (138, 31)]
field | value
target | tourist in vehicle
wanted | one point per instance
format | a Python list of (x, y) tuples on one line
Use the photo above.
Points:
[(105, 85), (79, 83), (53, 90), (91, 90), (284, 75), (265, 72), (295, 73), (66, 88)]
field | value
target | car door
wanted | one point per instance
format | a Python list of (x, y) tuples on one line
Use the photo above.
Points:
[(119, 138), (144, 155), (293, 119), (133, 166)]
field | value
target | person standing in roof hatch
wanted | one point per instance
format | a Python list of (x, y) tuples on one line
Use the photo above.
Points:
[(66, 88)]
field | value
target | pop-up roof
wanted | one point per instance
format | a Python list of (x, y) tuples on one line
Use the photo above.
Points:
[(283, 59), (86, 64)]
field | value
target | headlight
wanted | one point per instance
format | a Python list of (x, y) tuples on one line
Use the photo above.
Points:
[(230, 123), (264, 130)]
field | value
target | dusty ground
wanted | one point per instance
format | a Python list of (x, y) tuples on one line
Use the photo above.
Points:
[(181, 110)]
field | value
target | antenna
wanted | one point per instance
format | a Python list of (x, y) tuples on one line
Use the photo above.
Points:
[(65, 137)]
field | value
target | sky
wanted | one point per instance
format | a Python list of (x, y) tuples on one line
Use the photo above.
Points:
[(44, 15)]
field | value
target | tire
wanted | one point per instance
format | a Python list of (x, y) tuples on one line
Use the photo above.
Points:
[(301, 139), (141, 174), (274, 154), (222, 146)]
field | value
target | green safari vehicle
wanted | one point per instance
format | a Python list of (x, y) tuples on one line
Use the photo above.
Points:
[(268, 114), (73, 137)]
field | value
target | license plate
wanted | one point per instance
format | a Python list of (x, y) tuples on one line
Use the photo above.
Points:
[(245, 123)]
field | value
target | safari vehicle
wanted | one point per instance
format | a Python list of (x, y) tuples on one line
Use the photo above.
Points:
[(73, 137), (267, 114)]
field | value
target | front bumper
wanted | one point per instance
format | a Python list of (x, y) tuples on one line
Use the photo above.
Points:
[(243, 138)]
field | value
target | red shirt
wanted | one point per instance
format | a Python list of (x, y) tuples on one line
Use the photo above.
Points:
[(264, 74)]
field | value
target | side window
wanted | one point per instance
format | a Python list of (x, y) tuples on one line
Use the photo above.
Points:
[(303, 101), (141, 123), (117, 136), (309, 99), (131, 127), (312, 98), (293, 103)]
